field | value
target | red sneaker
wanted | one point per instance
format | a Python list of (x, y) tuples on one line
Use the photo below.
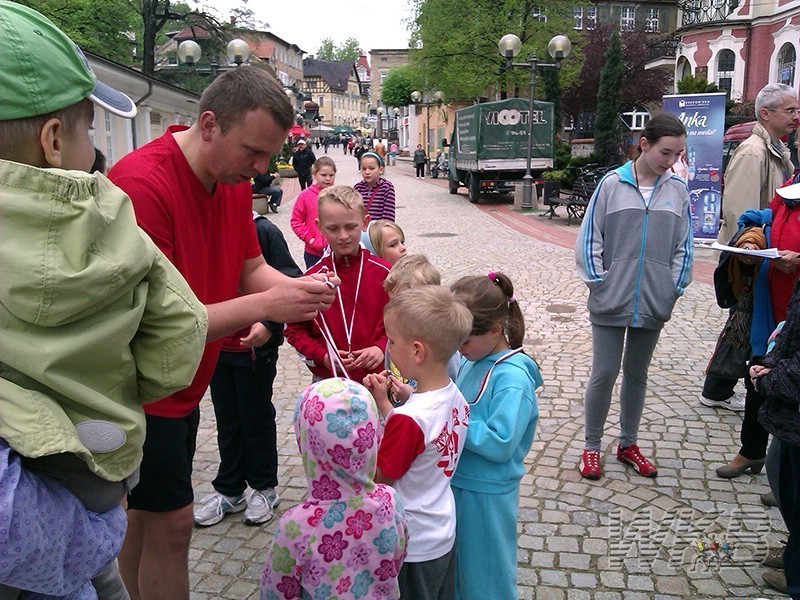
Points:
[(634, 458), (590, 464)]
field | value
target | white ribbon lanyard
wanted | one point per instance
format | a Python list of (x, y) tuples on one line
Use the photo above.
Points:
[(485, 382), (333, 351)]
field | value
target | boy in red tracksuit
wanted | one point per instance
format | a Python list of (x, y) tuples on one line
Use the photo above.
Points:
[(354, 322)]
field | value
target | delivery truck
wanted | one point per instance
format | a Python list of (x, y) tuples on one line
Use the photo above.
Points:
[(489, 146)]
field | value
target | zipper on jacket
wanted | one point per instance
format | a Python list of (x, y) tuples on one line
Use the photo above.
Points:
[(641, 251)]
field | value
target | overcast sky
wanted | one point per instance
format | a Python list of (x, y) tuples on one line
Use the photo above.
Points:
[(379, 25)]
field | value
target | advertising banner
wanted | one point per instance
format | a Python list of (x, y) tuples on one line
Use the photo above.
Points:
[(703, 115), (499, 130)]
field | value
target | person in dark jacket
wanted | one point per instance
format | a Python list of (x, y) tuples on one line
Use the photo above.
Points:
[(241, 392), (419, 161), (263, 184), (302, 159), (776, 377)]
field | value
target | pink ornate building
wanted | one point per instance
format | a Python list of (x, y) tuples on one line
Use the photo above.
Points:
[(741, 45)]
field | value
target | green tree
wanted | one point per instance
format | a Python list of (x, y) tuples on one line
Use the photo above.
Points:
[(696, 85), (398, 85), (100, 27), (350, 49), (609, 103), (455, 43), (327, 50)]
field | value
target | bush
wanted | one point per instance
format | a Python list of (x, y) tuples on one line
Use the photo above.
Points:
[(562, 155), (560, 175)]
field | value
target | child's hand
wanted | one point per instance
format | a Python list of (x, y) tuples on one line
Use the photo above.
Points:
[(757, 371), (368, 359), (257, 337), (402, 391), (377, 384)]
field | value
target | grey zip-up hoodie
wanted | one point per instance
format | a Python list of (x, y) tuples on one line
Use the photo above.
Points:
[(635, 253)]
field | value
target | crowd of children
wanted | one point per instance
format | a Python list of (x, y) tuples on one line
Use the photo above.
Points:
[(392, 410), (446, 396)]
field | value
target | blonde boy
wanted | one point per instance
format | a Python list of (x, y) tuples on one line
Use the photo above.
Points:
[(355, 319), (423, 438), (411, 271)]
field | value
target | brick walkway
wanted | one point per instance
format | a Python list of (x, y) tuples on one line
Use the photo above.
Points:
[(621, 538)]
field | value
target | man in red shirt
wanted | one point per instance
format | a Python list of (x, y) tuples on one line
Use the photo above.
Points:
[(191, 193)]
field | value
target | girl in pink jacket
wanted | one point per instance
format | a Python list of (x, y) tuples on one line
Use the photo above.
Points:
[(304, 212)]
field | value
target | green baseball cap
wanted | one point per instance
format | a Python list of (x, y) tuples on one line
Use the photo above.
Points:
[(44, 71)]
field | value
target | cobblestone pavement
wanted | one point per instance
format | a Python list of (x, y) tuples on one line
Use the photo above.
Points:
[(621, 538)]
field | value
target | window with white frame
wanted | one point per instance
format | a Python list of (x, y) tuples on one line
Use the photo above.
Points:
[(627, 18), (787, 59), (726, 63), (577, 17), (537, 14), (590, 17), (653, 22)]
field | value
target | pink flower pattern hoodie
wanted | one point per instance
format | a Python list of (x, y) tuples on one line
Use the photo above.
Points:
[(348, 539)]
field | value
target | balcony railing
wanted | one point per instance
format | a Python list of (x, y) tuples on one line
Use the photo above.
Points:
[(695, 12), (663, 48)]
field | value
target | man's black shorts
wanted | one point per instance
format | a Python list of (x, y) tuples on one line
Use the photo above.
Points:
[(165, 481)]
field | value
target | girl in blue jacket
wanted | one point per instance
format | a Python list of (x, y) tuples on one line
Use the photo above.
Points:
[(498, 381)]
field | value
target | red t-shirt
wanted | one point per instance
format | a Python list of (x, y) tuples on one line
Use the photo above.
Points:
[(206, 236)]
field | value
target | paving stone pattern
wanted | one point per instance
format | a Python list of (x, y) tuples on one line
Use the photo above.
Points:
[(621, 538)]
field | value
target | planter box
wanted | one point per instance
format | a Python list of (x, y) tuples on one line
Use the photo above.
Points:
[(287, 173)]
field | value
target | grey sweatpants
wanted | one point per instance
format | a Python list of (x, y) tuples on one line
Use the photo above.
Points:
[(607, 354)]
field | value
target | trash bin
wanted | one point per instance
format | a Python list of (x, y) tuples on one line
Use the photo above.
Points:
[(548, 189)]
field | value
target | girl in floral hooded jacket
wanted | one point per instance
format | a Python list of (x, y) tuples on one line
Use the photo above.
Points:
[(348, 538)]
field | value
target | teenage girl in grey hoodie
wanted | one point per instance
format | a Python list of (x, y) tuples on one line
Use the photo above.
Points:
[(634, 252)]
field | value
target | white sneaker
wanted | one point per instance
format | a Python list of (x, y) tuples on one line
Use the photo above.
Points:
[(735, 402), (214, 507), (260, 505)]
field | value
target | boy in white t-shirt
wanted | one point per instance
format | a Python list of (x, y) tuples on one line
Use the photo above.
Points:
[(423, 437)]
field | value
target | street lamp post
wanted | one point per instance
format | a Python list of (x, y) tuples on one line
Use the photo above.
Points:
[(379, 110), (558, 48), (189, 52), (438, 98)]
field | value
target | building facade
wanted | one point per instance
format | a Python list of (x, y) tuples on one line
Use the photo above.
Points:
[(381, 62), (655, 17), (739, 45), (285, 58), (336, 89), (159, 106)]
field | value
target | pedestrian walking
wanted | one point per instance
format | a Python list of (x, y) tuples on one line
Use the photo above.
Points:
[(634, 252), (380, 150), (393, 153), (420, 159), (302, 160)]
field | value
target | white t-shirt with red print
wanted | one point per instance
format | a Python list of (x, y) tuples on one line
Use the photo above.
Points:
[(421, 445)]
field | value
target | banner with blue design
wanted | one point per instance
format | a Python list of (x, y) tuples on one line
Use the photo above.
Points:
[(703, 115)]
